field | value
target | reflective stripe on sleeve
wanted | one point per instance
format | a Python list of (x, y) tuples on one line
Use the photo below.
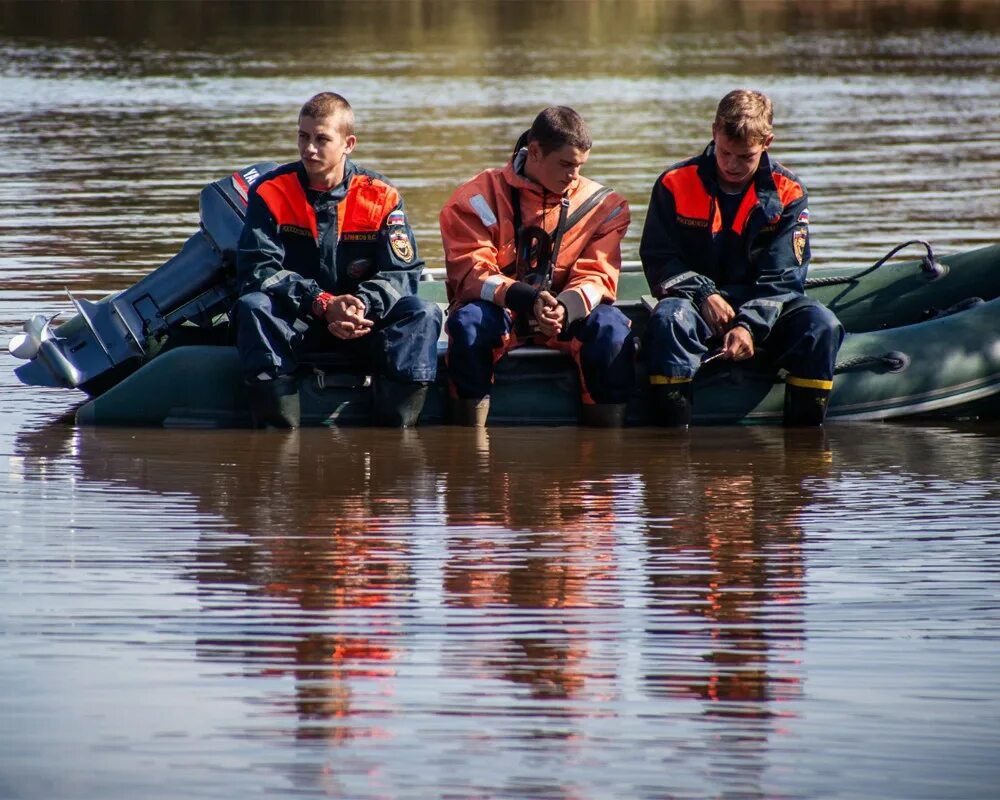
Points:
[(593, 295), (677, 279), (277, 277), (386, 286), (490, 287), (482, 208)]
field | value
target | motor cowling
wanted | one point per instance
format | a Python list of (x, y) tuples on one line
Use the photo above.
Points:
[(108, 339)]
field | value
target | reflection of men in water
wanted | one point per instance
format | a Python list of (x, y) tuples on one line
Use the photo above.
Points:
[(726, 249), (325, 566), (727, 569), (547, 559), (327, 262), (532, 252)]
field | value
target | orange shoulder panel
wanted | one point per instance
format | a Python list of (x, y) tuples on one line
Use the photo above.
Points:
[(690, 198), (287, 201), (366, 204), (789, 190)]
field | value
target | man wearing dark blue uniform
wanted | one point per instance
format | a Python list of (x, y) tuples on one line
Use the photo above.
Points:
[(725, 249), (327, 262)]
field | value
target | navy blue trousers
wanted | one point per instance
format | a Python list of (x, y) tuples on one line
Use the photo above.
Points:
[(804, 340), (602, 344), (402, 345)]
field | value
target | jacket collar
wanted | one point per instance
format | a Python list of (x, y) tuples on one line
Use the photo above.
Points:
[(338, 192)]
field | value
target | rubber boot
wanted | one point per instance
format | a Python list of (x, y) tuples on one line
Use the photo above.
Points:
[(397, 404), (275, 403), (471, 413), (805, 407), (671, 404), (603, 415)]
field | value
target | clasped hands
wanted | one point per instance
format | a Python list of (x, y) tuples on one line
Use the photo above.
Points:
[(549, 313), (345, 317), (737, 343)]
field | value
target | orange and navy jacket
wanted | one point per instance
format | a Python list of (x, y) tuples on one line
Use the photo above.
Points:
[(477, 228), (767, 262), (299, 242)]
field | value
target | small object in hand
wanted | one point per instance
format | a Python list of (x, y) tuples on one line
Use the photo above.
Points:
[(712, 356)]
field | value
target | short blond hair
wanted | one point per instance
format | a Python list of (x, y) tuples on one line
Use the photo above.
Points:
[(330, 104), (746, 115)]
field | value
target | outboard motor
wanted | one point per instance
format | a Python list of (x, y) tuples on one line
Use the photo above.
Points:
[(108, 339)]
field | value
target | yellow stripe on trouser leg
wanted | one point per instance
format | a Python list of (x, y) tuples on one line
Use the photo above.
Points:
[(806, 401), (666, 380), (809, 383), (671, 401)]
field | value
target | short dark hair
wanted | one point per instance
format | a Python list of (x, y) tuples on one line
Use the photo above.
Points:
[(330, 104), (558, 126)]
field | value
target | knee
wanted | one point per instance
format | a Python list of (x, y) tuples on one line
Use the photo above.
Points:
[(416, 311), (477, 324), (609, 324), (669, 313), (825, 325), (251, 304), (253, 312)]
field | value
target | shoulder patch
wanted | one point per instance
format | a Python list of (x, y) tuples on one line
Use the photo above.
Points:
[(799, 240), (401, 247)]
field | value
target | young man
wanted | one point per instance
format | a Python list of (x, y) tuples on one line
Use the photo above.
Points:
[(532, 253), (327, 262), (726, 249)]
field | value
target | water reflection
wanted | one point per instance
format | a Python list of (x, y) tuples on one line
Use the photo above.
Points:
[(559, 541), (726, 566)]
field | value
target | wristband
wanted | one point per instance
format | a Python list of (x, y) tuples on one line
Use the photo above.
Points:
[(320, 303), (520, 298)]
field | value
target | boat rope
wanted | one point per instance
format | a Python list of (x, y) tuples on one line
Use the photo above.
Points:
[(928, 264), (893, 361)]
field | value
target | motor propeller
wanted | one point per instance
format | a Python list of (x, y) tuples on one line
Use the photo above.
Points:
[(36, 330)]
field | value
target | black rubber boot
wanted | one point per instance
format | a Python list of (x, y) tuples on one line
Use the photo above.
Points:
[(805, 407), (672, 404), (470, 413), (397, 404), (275, 403), (603, 415)]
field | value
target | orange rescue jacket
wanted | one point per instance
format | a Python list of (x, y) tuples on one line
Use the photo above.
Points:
[(477, 228)]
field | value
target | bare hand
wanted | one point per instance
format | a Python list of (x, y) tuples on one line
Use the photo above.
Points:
[(737, 344), (717, 312), (345, 317), (550, 314)]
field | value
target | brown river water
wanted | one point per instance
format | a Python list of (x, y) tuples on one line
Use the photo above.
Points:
[(518, 613)]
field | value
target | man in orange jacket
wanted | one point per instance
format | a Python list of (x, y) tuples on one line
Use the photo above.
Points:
[(533, 253)]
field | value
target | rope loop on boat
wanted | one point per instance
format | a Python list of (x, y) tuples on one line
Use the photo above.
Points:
[(893, 361), (929, 264)]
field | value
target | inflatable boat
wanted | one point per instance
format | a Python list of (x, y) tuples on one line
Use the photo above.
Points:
[(923, 339)]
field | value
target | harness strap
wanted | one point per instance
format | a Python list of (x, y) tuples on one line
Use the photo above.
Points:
[(587, 205)]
